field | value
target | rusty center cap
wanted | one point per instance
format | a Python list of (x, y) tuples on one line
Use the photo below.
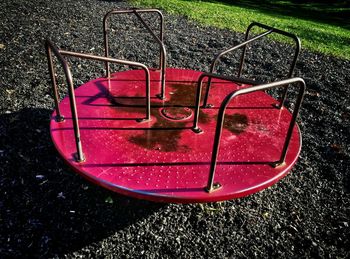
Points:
[(176, 113)]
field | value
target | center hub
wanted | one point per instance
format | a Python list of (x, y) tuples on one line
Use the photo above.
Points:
[(176, 113)]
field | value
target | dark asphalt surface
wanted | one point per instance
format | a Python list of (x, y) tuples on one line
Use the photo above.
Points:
[(46, 210)]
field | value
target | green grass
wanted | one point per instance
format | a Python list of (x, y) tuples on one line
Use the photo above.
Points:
[(321, 27)]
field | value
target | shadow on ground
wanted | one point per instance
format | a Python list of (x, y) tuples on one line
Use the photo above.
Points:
[(330, 12), (46, 209)]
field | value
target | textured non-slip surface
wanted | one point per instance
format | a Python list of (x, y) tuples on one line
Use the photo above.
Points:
[(164, 160)]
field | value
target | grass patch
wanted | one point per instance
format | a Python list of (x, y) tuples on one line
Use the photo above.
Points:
[(322, 27)]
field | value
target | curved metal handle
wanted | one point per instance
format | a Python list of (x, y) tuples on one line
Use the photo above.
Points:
[(218, 56), (123, 62), (244, 45), (159, 40), (295, 57), (50, 47), (227, 100)]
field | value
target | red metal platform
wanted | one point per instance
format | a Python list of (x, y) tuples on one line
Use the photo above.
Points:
[(163, 159)]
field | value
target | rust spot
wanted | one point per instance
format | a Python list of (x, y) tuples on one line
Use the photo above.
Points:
[(161, 137), (203, 117), (165, 134), (236, 123), (182, 95), (185, 95)]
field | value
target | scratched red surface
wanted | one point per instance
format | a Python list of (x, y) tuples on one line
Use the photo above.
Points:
[(164, 160)]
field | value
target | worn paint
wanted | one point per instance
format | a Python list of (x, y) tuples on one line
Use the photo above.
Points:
[(236, 123)]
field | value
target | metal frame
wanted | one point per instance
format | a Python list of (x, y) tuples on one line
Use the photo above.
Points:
[(211, 186), (159, 40), (244, 45), (50, 47)]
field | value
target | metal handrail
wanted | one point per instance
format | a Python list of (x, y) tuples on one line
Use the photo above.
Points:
[(50, 47), (123, 62), (159, 40), (218, 56), (278, 31), (244, 45), (210, 186)]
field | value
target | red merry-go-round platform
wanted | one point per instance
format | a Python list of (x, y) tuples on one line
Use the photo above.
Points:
[(175, 135), (163, 159)]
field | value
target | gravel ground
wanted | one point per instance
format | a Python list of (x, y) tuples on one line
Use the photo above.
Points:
[(46, 210)]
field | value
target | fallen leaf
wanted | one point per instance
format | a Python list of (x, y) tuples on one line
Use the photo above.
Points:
[(61, 195), (266, 215), (109, 200), (336, 148)]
